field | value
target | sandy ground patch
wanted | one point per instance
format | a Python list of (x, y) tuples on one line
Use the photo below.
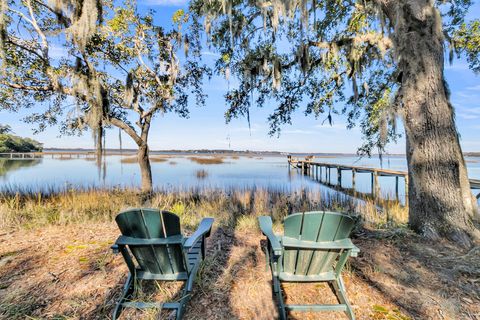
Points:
[(62, 272)]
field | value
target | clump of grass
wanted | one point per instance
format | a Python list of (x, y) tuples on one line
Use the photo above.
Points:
[(201, 174), (152, 159), (173, 163), (235, 157), (391, 213), (158, 159), (247, 224), (207, 160), (129, 160)]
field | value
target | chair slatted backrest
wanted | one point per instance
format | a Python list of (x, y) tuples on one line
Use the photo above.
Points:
[(153, 224), (318, 227)]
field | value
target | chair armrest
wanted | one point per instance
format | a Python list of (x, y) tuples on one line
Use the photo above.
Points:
[(203, 230), (266, 227), (115, 249), (130, 241), (355, 251)]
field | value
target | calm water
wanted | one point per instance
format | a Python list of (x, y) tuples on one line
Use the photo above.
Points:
[(179, 172)]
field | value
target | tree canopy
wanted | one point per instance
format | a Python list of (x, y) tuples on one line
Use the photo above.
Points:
[(322, 57), (115, 63), (13, 143)]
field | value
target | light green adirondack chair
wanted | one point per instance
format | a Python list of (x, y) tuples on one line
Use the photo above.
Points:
[(161, 252), (314, 248)]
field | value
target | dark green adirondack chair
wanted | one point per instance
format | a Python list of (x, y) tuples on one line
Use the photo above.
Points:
[(314, 248), (160, 252)]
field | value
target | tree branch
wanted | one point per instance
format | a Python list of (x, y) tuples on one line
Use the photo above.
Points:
[(28, 88), (38, 30), (128, 129)]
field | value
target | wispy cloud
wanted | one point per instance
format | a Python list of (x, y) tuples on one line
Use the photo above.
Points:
[(253, 128), (456, 66), (341, 126), (299, 131), (467, 116), (469, 113), (166, 3), (473, 88)]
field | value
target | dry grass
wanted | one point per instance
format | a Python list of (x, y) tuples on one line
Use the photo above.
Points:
[(129, 160), (391, 213), (207, 160), (201, 174), (152, 159), (56, 263)]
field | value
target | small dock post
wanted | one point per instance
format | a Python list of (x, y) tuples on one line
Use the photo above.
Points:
[(396, 188), (406, 191), (375, 187), (354, 173), (339, 177)]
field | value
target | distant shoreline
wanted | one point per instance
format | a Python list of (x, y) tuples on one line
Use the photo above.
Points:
[(234, 152), (210, 152)]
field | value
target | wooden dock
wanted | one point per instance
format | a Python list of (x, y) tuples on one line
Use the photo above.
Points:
[(53, 155), (319, 170)]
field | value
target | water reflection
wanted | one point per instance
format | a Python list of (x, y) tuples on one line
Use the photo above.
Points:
[(9, 165)]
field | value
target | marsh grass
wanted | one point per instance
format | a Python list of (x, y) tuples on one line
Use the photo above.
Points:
[(158, 159), (152, 159), (201, 174), (207, 160), (129, 160), (28, 209)]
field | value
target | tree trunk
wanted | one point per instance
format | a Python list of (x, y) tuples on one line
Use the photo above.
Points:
[(440, 200), (98, 136), (145, 168)]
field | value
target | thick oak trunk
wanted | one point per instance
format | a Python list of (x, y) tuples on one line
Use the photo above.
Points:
[(145, 168), (440, 200)]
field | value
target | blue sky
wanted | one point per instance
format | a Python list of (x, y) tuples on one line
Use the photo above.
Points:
[(206, 127)]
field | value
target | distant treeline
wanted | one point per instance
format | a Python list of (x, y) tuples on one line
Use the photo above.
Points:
[(12, 143), (172, 151), (472, 154), (239, 152)]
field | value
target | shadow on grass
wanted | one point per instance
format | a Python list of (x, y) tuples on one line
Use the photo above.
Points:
[(425, 279), (19, 301)]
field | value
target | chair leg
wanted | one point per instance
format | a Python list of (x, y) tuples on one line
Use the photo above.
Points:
[(279, 296), (126, 293), (183, 302), (341, 294)]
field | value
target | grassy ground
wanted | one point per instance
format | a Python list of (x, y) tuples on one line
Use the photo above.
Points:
[(56, 263)]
